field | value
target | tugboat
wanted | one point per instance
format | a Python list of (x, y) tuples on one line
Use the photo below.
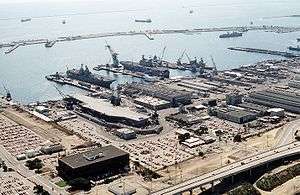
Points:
[(86, 76), (294, 48), (230, 35)]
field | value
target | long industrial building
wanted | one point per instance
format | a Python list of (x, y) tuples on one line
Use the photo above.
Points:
[(108, 160), (276, 99), (174, 96), (103, 109)]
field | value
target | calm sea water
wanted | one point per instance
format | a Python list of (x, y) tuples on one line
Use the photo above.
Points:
[(23, 70)]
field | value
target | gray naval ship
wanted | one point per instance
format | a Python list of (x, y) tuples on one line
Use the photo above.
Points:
[(151, 66), (86, 76)]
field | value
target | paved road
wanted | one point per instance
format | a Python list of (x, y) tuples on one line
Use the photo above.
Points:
[(232, 169), (288, 131), (11, 161)]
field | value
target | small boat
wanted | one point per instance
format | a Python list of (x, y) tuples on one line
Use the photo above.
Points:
[(144, 20), (25, 19)]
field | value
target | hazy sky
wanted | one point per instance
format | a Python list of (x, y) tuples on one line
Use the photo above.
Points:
[(25, 1)]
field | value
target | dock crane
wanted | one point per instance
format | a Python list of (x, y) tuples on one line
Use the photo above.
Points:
[(192, 62), (180, 58), (214, 66), (8, 94), (114, 55), (69, 104)]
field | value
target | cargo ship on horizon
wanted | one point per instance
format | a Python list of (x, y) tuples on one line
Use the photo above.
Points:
[(143, 20), (230, 35), (25, 19)]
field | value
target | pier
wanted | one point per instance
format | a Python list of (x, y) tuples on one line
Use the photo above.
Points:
[(12, 48), (149, 33), (118, 71), (50, 43), (265, 51)]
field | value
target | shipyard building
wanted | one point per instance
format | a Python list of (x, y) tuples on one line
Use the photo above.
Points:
[(233, 115), (102, 108), (276, 99), (175, 97), (152, 103), (108, 160)]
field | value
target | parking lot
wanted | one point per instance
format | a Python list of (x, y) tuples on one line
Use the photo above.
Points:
[(11, 183), (16, 138)]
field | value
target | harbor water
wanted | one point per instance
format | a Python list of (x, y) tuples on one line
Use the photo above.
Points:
[(23, 71)]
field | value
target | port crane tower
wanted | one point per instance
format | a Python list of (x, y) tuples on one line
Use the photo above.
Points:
[(114, 56), (8, 94)]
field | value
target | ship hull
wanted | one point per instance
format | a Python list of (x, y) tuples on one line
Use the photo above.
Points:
[(230, 35), (92, 79)]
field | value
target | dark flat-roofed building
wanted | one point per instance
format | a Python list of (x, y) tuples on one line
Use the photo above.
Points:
[(100, 161)]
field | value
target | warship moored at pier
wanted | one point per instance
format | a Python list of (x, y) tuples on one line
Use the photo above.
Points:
[(86, 76)]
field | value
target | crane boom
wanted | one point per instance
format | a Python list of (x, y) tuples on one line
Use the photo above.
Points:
[(60, 92), (163, 53), (188, 57), (182, 55), (213, 62)]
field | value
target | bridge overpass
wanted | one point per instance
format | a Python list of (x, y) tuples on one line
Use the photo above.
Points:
[(233, 169)]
